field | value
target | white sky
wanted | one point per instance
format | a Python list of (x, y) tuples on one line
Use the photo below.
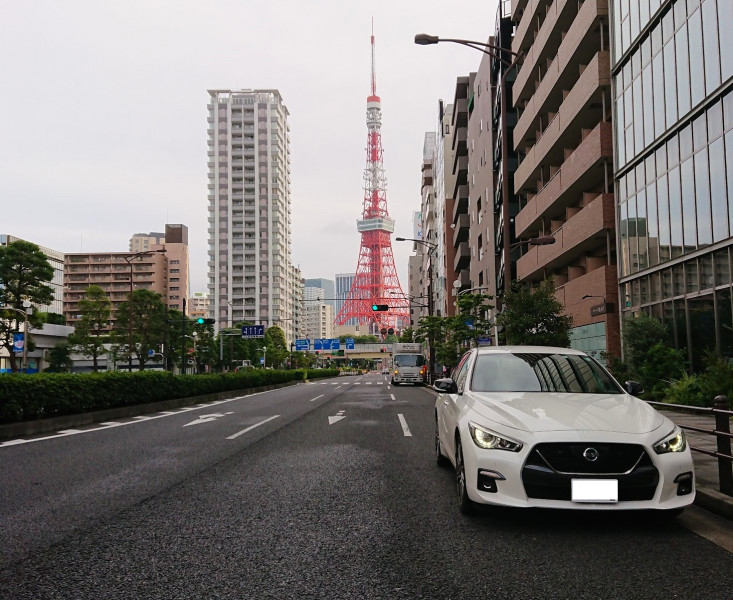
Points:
[(103, 113)]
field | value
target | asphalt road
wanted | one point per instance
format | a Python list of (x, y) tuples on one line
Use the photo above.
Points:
[(322, 490)]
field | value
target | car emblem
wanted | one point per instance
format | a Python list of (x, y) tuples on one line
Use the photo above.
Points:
[(590, 454)]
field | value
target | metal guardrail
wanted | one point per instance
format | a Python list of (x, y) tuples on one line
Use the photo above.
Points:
[(722, 413)]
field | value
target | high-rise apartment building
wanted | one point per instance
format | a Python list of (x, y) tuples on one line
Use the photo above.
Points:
[(142, 242), (343, 282), (117, 273), (56, 260), (673, 82), (175, 241), (318, 314), (251, 276), (564, 180)]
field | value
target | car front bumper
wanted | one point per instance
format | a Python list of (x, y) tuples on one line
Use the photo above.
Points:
[(520, 479)]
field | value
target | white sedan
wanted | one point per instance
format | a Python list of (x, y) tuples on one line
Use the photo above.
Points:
[(549, 427)]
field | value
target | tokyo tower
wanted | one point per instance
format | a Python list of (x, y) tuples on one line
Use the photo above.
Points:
[(376, 279)]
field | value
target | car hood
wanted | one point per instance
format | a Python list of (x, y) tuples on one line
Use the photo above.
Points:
[(548, 411)]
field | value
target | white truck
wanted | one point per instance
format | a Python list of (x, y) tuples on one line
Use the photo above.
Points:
[(408, 363)]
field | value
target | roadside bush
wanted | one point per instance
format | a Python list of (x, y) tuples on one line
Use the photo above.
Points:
[(686, 391), (661, 367), (43, 395)]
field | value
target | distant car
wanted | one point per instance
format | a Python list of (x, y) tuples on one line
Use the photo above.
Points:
[(548, 427), (385, 371)]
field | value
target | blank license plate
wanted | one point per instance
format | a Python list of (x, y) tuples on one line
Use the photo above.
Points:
[(594, 490)]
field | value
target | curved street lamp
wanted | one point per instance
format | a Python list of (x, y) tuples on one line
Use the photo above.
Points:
[(497, 52)]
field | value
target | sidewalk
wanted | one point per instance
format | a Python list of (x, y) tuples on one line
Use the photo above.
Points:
[(707, 481)]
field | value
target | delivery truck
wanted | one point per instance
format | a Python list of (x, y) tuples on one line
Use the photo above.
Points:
[(408, 363)]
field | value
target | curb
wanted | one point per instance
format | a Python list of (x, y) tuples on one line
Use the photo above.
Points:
[(715, 502)]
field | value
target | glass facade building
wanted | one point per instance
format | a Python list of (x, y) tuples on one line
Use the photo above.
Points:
[(673, 101)]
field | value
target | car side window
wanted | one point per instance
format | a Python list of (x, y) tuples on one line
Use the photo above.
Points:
[(462, 371)]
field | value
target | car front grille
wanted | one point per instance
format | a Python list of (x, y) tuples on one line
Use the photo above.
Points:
[(550, 467)]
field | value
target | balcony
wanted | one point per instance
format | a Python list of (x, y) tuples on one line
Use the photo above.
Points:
[(581, 234), (461, 230), (558, 20), (579, 45), (581, 109), (463, 257), (582, 170)]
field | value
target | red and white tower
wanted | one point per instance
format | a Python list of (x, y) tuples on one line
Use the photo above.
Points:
[(376, 279)]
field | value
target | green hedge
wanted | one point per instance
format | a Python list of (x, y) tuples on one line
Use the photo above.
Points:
[(44, 395)]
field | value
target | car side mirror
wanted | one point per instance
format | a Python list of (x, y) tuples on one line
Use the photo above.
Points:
[(445, 386), (634, 388)]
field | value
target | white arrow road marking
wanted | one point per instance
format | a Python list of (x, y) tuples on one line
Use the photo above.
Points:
[(405, 428), (207, 418), (317, 397), (337, 418), (251, 427)]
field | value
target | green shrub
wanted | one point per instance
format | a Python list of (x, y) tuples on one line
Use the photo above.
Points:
[(686, 391), (29, 397)]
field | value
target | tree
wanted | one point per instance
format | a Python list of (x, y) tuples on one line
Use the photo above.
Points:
[(408, 335), (54, 318), (534, 316), (24, 271), (59, 359), (90, 334), (277, 348), (472, 321), (640, 334), (148, 324)]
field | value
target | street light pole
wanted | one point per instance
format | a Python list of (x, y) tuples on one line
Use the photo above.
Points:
[(128, 259), (496, 52), (28, 307)]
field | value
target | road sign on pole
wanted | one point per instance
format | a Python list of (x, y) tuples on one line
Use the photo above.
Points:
[(253, 331)]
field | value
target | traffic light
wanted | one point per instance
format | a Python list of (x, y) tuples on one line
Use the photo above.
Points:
[(380, 307), (202, 321)]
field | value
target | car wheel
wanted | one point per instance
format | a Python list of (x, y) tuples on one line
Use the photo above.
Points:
[(394, 383), (439, 457), (465, 504)]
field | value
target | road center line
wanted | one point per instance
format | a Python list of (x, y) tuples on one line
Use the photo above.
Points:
[(317, 397), (405, 428), (251, 427)]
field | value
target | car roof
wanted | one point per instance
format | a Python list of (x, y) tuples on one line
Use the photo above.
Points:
[(528, 350)]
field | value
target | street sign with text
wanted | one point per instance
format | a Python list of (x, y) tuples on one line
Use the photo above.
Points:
[(253, 331)]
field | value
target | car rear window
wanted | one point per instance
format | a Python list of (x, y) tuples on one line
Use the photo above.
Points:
[(534, 372)]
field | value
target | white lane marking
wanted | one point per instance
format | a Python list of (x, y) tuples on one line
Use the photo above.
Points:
[(405, 428), (143, 418), (207, 418), (70, 431), (368, 383), (112, 424), (337, 418), (380, 382), (251, 427), (317, 397), (392, 396)]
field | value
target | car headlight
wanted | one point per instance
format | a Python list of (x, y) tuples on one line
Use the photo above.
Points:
[(488, 440), (674, 442)]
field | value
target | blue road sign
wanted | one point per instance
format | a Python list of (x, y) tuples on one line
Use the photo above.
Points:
[(349, 343), (253, 331), (302, 345)]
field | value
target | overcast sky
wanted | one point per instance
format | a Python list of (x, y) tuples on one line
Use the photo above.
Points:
[(103, 113)]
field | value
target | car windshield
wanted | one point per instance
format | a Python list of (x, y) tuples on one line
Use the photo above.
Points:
[(532, 372), (409, 360)]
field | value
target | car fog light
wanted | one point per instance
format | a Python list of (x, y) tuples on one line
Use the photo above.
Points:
[(486, 480), (684, 483)]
